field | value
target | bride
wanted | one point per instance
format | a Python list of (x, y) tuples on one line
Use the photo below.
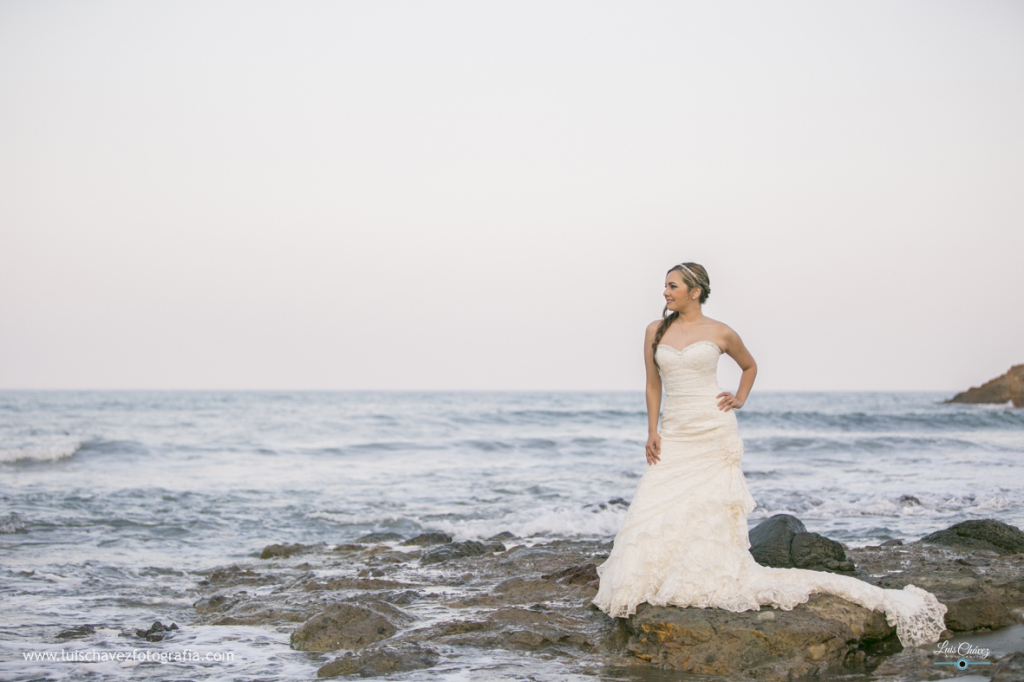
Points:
[(684, 539)]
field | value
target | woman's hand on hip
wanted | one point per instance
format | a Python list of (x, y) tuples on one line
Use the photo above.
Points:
[(727, 401), (653, 448)]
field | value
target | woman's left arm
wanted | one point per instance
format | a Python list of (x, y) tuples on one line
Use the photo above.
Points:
[(737, 351)]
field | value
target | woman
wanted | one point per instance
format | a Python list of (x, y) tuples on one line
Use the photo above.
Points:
[(684, 539)]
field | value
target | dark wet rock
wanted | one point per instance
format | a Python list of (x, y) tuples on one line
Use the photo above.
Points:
[(402, 598), (1006, 388), (612, 503), (503, 536), (440, 631), (77, 632), (262, 613), (769, 645), (521, 591), (157, 632), (382, 554), (457, 550), (12, 523), (216, 603), (818, 553), (238, 575), (980, 588), (892, 543), (348, 626), (982, 611), (987, 534), (285, 551), (429, 539), (356, 584), (582, 574), (912, 665), (770, 540), (782, 541), (379, 537), (382, 659), (1009, 668), (910, 499), (372, 573), (514, 628)]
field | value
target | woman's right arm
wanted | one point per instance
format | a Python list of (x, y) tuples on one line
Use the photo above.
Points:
[(653, 395)]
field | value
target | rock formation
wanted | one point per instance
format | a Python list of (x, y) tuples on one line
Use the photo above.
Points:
[(782, 541), (390, 605), (989, 534), (1009, 387)]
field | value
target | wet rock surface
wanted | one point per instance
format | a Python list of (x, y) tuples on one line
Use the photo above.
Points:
[(456, 550), (373, 538), (394, 606), (773, 644), (348, 626), (284, 551), (77, 632), (1009, 668), (1006, 388), (381, 660), (782, 541), (157, 632), (981, 534), (427, 539)]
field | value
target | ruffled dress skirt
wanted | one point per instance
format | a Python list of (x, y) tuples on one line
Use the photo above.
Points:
[(684, 541)]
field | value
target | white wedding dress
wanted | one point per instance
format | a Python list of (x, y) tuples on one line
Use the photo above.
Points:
[(684, 539)]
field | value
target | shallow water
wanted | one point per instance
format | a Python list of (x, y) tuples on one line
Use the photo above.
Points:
[(112, 501)]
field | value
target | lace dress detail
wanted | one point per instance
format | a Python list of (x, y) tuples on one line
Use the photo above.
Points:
[(684, 540)]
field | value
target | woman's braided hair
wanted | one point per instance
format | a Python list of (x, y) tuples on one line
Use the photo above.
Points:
[(694, 275)]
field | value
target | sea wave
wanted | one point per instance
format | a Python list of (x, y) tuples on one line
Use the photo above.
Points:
[(39, 452), (602, 521), (547, 417), (12, 523), (353, 519), (869, 444), (954, 419), (923, 505)]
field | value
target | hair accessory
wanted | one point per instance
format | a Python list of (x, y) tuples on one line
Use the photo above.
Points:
[(692, 274)]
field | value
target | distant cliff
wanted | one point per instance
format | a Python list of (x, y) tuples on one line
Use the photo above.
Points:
[(1002, 389)]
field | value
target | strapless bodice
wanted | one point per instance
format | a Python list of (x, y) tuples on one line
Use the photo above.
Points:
[(690, 372), (689, 378)]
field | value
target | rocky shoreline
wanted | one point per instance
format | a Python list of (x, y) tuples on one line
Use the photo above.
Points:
[(388, 604), (1008, 388)]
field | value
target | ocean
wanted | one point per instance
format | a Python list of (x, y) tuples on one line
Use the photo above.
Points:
[(113, 503)]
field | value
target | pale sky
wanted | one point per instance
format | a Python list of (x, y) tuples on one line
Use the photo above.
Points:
[(487, 195)]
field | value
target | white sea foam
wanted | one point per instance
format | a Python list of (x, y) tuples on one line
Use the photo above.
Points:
[(565, 522), (40, 453), (163, 601), (354, 519), (12, 523), (53, 577)]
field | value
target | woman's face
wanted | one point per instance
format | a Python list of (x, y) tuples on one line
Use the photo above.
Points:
[(677, 294)]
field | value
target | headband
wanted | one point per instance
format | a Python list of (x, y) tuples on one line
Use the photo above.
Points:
[(692, 274)]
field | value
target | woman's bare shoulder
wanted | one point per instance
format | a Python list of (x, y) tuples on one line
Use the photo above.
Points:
[(725, 336), (721, 329), (652, 328)]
